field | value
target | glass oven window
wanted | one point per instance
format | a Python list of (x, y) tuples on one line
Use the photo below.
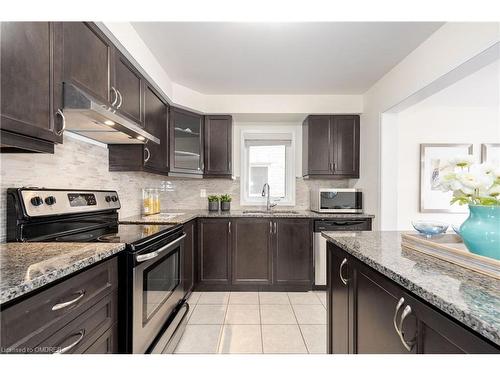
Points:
[(160, 280)]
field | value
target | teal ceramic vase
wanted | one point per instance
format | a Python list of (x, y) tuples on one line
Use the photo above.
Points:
[(481, 231)]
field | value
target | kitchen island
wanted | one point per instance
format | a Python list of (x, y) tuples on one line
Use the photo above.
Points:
[(451, 309)]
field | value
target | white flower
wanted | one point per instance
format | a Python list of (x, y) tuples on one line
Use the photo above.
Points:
[(460, 161)]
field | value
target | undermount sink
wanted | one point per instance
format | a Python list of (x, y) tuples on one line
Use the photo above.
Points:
[(257, 212)]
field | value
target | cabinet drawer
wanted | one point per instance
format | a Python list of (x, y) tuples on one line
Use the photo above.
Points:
[(82, 333), (32, 320), (106, 344)]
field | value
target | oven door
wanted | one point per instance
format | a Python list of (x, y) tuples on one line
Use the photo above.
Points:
[(157, 290)]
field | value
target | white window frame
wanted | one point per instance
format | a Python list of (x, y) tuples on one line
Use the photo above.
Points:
[(245, 199)]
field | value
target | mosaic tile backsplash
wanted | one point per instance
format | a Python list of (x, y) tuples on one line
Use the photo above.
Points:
[(82, 165)]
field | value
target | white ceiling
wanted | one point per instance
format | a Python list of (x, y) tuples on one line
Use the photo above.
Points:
[(281, 58)]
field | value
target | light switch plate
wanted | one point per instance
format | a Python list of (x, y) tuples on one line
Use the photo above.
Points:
[(203, 193)]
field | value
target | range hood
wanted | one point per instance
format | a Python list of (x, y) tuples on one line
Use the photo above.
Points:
[(85, 116)]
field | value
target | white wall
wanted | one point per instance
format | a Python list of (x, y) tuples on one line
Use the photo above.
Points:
[(446, 49), (466, 112)]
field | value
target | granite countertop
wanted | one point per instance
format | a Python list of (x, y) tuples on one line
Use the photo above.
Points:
[(27, 266), (467, 296), (188, 215)]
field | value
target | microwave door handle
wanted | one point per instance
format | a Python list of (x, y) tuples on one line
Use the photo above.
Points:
[(143, 257)]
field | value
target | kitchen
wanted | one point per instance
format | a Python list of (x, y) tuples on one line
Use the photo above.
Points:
[(153, 202)]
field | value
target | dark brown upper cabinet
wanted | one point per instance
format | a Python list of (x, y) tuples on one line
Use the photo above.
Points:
[(129, 86), (150, 157), (87, 61), (31, 100), (218, 146), (186, 142), (330, 146), (252, 251)]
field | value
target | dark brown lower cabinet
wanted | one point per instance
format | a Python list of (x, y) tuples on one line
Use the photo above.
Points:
[(366, 315), (189, 254), (255, 254), (252, 252), (214, 252), (77, 315)]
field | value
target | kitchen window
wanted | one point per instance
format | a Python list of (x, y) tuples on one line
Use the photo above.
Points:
[(267, 158)]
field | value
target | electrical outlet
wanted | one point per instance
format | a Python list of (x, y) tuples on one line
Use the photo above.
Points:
[(203, 193)]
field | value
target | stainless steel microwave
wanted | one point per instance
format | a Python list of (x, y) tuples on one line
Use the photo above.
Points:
[(337, 200)]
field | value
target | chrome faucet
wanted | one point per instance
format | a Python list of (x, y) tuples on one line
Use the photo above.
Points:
[(267, 192)]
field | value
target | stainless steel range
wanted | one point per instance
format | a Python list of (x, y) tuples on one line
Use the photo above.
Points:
[(153, 298)]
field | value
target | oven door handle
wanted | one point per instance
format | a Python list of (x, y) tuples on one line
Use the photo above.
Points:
[(144, 257)]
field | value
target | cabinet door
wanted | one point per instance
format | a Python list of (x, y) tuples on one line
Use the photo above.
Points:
[(338, 302), (251, 251), (87, 59), (293, 254), (319, 145), (106, 344), (214, 251), (345, 145), (155, 121), (218, 146), (129, 83), (375, 301), (189, 249), (186, 132), (31, 79)]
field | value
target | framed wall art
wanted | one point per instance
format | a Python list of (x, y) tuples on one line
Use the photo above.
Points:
[(490, 152)]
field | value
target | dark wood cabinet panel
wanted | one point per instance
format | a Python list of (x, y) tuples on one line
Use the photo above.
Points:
[(87, 59), (317, 146), (156, 123), (218, 146), (371, 310), (293, 252), (214, 251), (338, 304), (189, 255), (252, 254), (129, 83), (345, 141), (330, 146), (186, 142), (106, 344), (31, 85)]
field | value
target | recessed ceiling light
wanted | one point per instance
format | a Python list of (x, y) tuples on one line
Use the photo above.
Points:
[(140, 138), (109, 122)]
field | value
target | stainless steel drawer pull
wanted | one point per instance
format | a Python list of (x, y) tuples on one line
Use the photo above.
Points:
[(147, 154), (62, 305), (66, 349), (121, 99), (407, 344), (395, 318), (154, 254), (115, 99), (270, 227), (60, 113), (344, 281)]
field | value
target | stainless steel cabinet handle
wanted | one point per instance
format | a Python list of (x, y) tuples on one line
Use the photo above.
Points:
[(395, 318), (330, 166), (229, 227), (121, 99), (143, 257), (344, 281), (407, 344), (270, 227), (62, 305), (60, 113), (148, 153), (333, 167), (275, 228), (72, 345), (115, 92)]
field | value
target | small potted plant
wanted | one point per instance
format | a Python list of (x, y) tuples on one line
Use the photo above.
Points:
[(225, 202), (213, 203)]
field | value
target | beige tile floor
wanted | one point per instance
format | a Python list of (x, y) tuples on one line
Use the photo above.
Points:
[(255, 322)]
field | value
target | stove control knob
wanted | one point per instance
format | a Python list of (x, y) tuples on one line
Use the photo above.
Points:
[(36, 201), (108, 198), (114, 198), (50, 200)]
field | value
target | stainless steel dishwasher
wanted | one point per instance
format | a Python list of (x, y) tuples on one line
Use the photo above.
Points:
[(329, 225)]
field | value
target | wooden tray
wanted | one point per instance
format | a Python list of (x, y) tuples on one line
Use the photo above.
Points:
[(450, 247)]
